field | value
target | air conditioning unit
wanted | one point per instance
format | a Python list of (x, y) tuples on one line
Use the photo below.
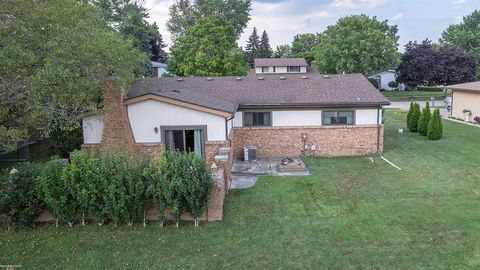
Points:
[(250, 153)]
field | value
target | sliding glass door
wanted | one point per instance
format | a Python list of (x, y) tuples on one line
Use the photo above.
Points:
[(185, 138)]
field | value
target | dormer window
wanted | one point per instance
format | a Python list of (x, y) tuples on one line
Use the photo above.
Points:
[(293, 69), (268, 69)]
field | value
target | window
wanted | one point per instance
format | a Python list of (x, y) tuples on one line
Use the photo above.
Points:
[(337, 118), (267, 69), (189, 139), (257, 119), (293, 68)]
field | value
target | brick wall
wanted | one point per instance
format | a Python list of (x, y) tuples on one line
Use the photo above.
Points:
[(330, 141)]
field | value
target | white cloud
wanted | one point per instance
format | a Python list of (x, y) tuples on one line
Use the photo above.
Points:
[(397, 17), (459, 2), (357, 4), (158, 10)]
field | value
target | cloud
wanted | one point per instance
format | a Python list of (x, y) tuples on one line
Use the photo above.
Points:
[(357, 4), (459, 2), (397, 17)]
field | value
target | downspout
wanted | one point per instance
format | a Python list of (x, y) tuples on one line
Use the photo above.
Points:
[(378, 130), (226, 129)]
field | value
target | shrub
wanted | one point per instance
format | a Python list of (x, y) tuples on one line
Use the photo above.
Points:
[(414, 117), (20, 201), (392, 84), (122, 196), (80, 184), (197, 185), (409, 115), (424, 120), (53, 189), (477, 119), (374, 82), (155, 179), (435, 127)]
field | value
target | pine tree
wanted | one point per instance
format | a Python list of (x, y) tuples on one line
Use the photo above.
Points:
[(264, 50), (414, 118), (251, 49), (424, 120), (409, 115), (435, 127)]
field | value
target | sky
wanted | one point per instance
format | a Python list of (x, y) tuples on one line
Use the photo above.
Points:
[(282, 19)]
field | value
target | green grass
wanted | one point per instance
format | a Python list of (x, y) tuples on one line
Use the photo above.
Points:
[(349, 214), (413, 95), (39, 152)]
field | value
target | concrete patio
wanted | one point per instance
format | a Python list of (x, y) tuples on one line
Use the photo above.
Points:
[(246, 173)]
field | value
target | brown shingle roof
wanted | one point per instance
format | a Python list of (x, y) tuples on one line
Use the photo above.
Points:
[(225, 93), (280, 62), (471, 86)]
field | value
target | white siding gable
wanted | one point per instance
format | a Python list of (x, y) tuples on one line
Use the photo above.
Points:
[(146, 115)]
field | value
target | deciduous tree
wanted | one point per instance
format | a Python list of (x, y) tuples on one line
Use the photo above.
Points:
[(357, 44), (283, 51), (208, 49), (303, 46), (185, 14), (419, 64)]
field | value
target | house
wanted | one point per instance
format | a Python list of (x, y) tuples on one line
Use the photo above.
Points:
[(384, 78), (158, 69), (465, 102), (283, 111)]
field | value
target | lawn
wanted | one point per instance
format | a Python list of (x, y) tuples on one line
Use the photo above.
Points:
[(349, 214), (413, 95)]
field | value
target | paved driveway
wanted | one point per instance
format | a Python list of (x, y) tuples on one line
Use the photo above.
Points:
[(405, 105)]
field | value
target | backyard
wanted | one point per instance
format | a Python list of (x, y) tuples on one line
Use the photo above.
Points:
[(351, 213), (413, 95)]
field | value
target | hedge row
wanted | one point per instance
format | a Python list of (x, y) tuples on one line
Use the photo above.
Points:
[(116, 188)]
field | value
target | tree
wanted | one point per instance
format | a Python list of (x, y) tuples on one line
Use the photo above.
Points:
[(357, 44), (303, 46), (454, 66), (52, 67), (208, 49), (409, 115), (184, 14), (128, 17), (465, 35), (392, 84), (283, 51), (435, 127), (414, 118), (251, 48), (264, 49), (419, 64), (424, 120)]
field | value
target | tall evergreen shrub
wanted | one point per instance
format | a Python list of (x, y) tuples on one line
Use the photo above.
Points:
[(409, 115), (414, 118), (424, 120), (435, 126)]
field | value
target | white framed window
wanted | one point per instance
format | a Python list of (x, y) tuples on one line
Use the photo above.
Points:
[(330, 118), (293, 69)]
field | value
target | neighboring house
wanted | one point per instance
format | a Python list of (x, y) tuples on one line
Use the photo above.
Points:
[(158, 69), (281, 114), (465, 97), (280, 65), (385, 77)]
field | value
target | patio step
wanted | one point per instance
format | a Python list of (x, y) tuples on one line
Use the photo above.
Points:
[(224, 150)]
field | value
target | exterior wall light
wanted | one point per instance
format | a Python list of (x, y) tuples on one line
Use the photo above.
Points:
[(156, 130)]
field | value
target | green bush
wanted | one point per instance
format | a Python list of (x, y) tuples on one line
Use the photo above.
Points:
[(81, 187), (414, 117), (53, 189), (435, 127), (21, 201), (424, 120), (392, 84), (155, 179)]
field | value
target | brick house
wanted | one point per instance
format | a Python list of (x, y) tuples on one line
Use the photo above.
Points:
[(283, 106)]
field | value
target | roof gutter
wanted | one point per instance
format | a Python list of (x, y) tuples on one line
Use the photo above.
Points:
[(312, 105)]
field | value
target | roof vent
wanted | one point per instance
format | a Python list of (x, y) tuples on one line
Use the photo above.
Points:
[(358, 98), (176, 91), (179, 79), (260, 78), (304, 77), (209, 79), (326, 76), (282, 78), (238, 79)]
